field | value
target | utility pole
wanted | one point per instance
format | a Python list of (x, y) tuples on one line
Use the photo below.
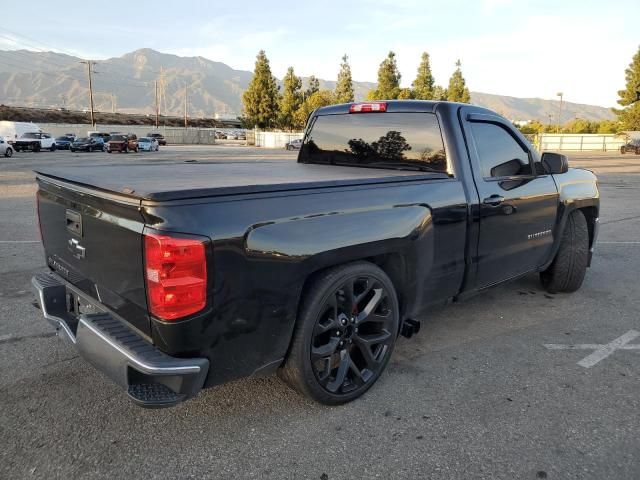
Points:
[(89, 64), (157, 104), (185, 105), (113, 103), (559, 94), (163, 93)]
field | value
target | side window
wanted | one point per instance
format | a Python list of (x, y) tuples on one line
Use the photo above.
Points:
[(500, 155)]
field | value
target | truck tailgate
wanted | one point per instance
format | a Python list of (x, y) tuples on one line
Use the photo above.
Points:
[(94, 241)]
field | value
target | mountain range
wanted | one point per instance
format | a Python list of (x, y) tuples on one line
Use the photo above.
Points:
[(128, 85)]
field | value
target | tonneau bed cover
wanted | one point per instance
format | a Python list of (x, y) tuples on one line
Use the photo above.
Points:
[(178, 181)]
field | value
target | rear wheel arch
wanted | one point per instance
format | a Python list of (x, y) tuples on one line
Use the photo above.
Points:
[(591, 215)]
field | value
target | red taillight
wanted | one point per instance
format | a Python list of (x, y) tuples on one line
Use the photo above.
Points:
[(176, 275), (368, 107)]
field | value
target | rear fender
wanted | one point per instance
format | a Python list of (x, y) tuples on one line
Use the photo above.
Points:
[(321, 241)]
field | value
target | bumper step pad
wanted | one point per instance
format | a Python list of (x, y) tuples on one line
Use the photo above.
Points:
[(153, 395)]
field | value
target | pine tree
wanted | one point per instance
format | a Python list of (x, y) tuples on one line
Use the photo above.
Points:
[(344, 86), (458, 91), (314, 86), (388, 80), (439, 93), (405, 94), (629, 116), (290, 100), (424, 83), (318, 99), (260, 99)]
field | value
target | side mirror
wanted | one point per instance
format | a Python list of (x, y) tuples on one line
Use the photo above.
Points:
[(555, 163)]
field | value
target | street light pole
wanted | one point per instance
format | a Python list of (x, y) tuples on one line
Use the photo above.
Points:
[(559, 94)]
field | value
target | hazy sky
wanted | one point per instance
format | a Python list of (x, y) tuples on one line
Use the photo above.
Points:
[(518, 48)]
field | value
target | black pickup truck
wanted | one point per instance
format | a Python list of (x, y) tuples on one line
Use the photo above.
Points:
[(174, 277)]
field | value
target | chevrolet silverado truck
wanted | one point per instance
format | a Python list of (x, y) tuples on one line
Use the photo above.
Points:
[(174, 277)]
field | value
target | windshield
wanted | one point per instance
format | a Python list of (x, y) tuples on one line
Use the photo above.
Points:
[(144, 140), (63, 139), (83, 139), (118, 138), (382, 140)]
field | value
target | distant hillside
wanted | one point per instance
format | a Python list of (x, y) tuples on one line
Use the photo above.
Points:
[(536, 108), (48, 79)]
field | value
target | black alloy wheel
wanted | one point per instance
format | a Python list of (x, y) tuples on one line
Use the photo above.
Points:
[(350, 321)]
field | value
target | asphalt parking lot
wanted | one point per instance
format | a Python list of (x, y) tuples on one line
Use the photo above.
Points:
[(504, 385)]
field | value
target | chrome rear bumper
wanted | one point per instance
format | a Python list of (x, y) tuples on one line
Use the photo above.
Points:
[(150, 377)]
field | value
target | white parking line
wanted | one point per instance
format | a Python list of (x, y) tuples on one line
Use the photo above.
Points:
[(19, 241), (620, 243), (602, 351)]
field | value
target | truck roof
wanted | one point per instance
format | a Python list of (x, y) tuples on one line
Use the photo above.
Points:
[(179, 181)]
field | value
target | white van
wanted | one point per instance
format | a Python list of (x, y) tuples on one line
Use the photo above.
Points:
[(11, 131)]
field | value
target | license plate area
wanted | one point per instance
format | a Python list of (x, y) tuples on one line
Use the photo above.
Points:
[(77, 305)]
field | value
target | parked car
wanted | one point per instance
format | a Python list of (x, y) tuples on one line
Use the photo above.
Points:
[(294, 144), (148, 144), (35, 141), (64, 142), (122, 143), (87, 144), (315, 268), (219, 135), (240, 135), (103, 135), (633, 146), (5, 148), (159, 138)]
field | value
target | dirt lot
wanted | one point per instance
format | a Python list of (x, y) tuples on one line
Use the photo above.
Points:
[(480, 393)]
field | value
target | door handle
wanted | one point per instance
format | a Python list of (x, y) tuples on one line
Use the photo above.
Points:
[(493, 200)]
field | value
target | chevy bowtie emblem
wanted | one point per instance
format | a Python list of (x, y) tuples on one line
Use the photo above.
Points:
[(76, 249)]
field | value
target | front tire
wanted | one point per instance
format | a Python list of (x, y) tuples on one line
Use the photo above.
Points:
[(8, 152), (569, 267), (345, 334), (53, 148)]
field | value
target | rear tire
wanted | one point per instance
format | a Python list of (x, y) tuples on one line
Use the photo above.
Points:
[(8, 152), (569, 267), (53, 147), (623, 150), (345, 334), (36, 147)]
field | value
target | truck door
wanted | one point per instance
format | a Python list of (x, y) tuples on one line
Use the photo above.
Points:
[(518, 203)]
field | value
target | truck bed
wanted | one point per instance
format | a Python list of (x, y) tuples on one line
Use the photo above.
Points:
[(178, 181)]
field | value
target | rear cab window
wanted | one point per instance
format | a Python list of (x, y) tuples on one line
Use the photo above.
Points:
[(399, 140)]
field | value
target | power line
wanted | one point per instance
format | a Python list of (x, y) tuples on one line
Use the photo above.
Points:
[(51, 47), (37, 56)]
